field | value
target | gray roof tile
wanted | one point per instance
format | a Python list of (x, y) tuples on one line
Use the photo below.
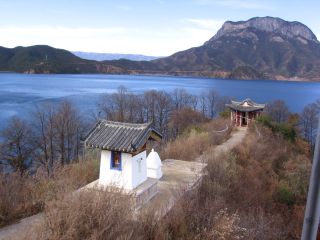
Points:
[(118, 136), (246, 105)]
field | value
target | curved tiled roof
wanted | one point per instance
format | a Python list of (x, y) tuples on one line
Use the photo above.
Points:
[(118, 136), (246, 105)]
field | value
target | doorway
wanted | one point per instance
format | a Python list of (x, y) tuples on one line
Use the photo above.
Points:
[(243, 119)]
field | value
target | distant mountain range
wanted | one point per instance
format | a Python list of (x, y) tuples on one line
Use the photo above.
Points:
[(260, 48), (46, 59), (112, 56)]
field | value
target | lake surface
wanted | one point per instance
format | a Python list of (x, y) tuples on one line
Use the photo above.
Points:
[(19, 93)]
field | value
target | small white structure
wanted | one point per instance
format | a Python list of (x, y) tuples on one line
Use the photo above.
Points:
[(123, 157), (154, 165)]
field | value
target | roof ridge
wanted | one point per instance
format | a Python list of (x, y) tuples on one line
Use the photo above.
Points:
[(126, 124)]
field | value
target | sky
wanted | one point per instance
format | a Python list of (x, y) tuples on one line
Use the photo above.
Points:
[(149, 27)]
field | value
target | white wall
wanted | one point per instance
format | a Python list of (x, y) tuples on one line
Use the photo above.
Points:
[(139, 174), (129, 176), (112, 177)]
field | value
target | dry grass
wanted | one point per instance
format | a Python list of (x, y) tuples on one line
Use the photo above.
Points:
[(88, 214), (196, 140), (187, 148), (27, 195), (237, 198), (272, 178)]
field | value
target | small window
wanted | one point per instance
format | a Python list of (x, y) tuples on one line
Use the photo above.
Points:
[(116, 160)]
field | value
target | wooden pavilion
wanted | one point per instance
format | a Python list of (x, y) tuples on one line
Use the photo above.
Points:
[(242, 113)]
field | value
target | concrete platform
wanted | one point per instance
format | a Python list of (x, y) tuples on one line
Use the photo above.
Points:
[(141, 194), (178, 178)]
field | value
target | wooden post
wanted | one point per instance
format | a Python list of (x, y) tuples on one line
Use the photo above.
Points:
[(247, 118), (237, 117)]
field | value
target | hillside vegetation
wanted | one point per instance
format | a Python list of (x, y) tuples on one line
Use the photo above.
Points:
[(256, 191)]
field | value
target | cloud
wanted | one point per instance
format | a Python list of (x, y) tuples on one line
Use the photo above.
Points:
[(48, 31), (108, 40), (163, 42), (196, 37), (244, 4), (210, 24), (62, 37)]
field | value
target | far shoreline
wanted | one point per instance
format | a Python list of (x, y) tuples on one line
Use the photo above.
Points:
[(175, 76)]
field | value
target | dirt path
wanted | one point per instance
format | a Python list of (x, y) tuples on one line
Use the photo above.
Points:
[(236, 138), (21, 229)]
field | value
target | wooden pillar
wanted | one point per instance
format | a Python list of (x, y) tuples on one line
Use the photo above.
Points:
[(237, 117), (247, 118), (240, 118)]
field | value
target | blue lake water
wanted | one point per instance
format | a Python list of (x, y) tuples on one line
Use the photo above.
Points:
[(19, 93)]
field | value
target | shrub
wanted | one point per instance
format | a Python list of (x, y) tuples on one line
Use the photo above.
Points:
[(89, 214), (225, 114), (265, 120), (287, 131), (22, 196), (195, 140), (277, 164), (285, 195), (182, 119), (187, 148)]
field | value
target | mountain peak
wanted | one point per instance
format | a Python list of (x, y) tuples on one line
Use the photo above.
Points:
[(268, 24)]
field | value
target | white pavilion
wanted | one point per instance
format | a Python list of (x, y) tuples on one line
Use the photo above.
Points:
[(124, 162)]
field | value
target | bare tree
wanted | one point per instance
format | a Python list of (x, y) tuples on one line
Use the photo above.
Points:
[(203, 107), (149, 99), (121, 102), (221, 102), (212, 97), (181, 99), (186, 117), (69, 128), (278, 111), (16, 148), (158, 106), (132, 108), (114, 105), (193, 102), (44, 135), (163, 108)]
